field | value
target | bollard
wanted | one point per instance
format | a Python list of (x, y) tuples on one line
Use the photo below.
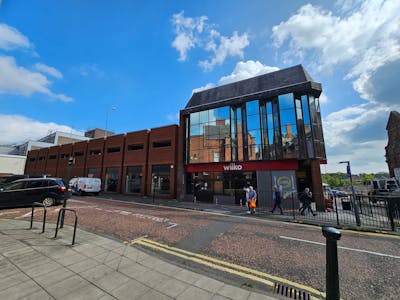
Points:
[(332, 235), (216, 201), (241, 203)]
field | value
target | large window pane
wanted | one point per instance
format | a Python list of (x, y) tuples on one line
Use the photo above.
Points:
[(161, 179), (133, 182), (111, 180)]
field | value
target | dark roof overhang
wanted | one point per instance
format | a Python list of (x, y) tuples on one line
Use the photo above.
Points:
[(290, 80)]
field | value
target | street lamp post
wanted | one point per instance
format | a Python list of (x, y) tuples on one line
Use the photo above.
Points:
[(108, 111), (356, 211), (155, 177)]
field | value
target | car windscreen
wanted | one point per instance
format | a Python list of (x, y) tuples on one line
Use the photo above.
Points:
[(60, 182)]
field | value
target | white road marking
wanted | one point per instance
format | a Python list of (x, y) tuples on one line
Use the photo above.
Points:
[(172, 225), (10, 212), (340, 247), (25, 215)]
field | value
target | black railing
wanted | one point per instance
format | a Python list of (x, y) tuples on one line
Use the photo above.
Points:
[(380, 212), (62, 211), (44, 214)]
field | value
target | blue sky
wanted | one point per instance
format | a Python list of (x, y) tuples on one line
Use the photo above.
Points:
[(65, 64)]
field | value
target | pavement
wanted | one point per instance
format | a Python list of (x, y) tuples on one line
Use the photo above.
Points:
[(34, 265)]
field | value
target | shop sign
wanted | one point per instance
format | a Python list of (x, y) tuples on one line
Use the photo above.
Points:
[(233, 167)]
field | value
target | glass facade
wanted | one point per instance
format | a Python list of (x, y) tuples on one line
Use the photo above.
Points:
[(284, 127), (111, 180), (133, 179), (161, 179)]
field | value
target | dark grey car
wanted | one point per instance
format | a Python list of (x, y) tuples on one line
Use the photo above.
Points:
[(24, 192)]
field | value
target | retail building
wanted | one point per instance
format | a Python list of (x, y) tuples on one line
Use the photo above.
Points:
[(261, 131)]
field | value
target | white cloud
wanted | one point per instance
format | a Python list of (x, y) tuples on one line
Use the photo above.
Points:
[(363, 41), (17, 129), (173, 117), (194, 33), (48, 70), (223, 47), (186, 30), (323, 98), (15, 79), (11, 38), (247, 69), (357, 134), (243, 70), (364, 157), (89, 69), (202, 88)]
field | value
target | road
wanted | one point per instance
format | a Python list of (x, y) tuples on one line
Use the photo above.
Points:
[(369, 264)]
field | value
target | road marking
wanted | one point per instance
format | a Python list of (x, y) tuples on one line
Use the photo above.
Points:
[(340, 247), (25, 215), (10, 212), (225, 266)]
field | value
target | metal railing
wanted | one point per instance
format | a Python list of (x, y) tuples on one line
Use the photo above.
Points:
[(44, 214), (62, 211), (380, 212)]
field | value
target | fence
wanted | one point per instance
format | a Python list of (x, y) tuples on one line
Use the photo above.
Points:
[(379, 212)]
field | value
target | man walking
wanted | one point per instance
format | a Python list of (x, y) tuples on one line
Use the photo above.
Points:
[(276, 196), (306, 199)]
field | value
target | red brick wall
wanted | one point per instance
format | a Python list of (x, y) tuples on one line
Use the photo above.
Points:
[(65, 152), (135, 157), (114, 160), (52, 161), (42, 161), (79, 167), (163, 155), (31, 160), (95, 161)]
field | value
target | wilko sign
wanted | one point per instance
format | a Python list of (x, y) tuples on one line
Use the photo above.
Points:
[(244, 166), (233, 167)]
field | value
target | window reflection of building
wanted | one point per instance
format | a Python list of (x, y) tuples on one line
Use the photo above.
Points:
[(111, 180), (283, 127), (161, 179), (133, 179)]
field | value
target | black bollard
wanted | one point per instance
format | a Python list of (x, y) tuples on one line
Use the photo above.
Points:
[(332, 235)]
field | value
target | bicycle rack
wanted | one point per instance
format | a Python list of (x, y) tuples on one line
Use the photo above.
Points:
[(62, 210), (44, 214)]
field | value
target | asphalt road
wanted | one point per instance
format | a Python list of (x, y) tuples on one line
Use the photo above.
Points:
[(369, 264)]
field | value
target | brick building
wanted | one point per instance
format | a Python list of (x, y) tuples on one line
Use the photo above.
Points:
[(140, 163), (260, 131), (393, 145)]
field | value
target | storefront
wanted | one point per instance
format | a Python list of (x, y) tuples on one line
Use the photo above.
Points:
[(262, 131)]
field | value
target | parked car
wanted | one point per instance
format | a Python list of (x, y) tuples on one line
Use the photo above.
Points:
[(83, 185), (24, 192), (12, 177), (338, 193)]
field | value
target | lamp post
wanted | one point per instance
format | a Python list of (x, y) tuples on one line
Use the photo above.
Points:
[(108, 111), (155, 177), (356, 212)]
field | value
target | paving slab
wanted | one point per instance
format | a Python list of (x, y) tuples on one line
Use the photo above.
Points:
[(37, 266)]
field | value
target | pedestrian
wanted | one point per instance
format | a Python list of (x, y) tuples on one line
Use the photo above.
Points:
[(276, 196), (306, 199), (252, 200)]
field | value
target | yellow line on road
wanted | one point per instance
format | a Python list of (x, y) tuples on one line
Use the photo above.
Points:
[(386, 235), (226, 266)]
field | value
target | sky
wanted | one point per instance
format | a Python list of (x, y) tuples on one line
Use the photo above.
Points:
[(131, 65)]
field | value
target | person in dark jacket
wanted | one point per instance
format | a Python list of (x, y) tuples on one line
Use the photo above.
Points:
[(276, 196), (306, 199)]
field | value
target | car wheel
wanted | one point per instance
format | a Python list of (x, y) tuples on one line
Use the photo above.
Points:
[(80, 193), (48, 201), (96, 194)]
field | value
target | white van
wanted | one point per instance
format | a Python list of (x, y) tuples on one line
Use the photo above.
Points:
[(82, 185)]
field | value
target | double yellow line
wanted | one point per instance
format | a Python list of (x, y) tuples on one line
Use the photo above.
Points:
[(220, 265)]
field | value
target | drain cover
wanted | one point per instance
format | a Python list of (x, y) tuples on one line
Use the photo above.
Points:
[(290, 292)]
